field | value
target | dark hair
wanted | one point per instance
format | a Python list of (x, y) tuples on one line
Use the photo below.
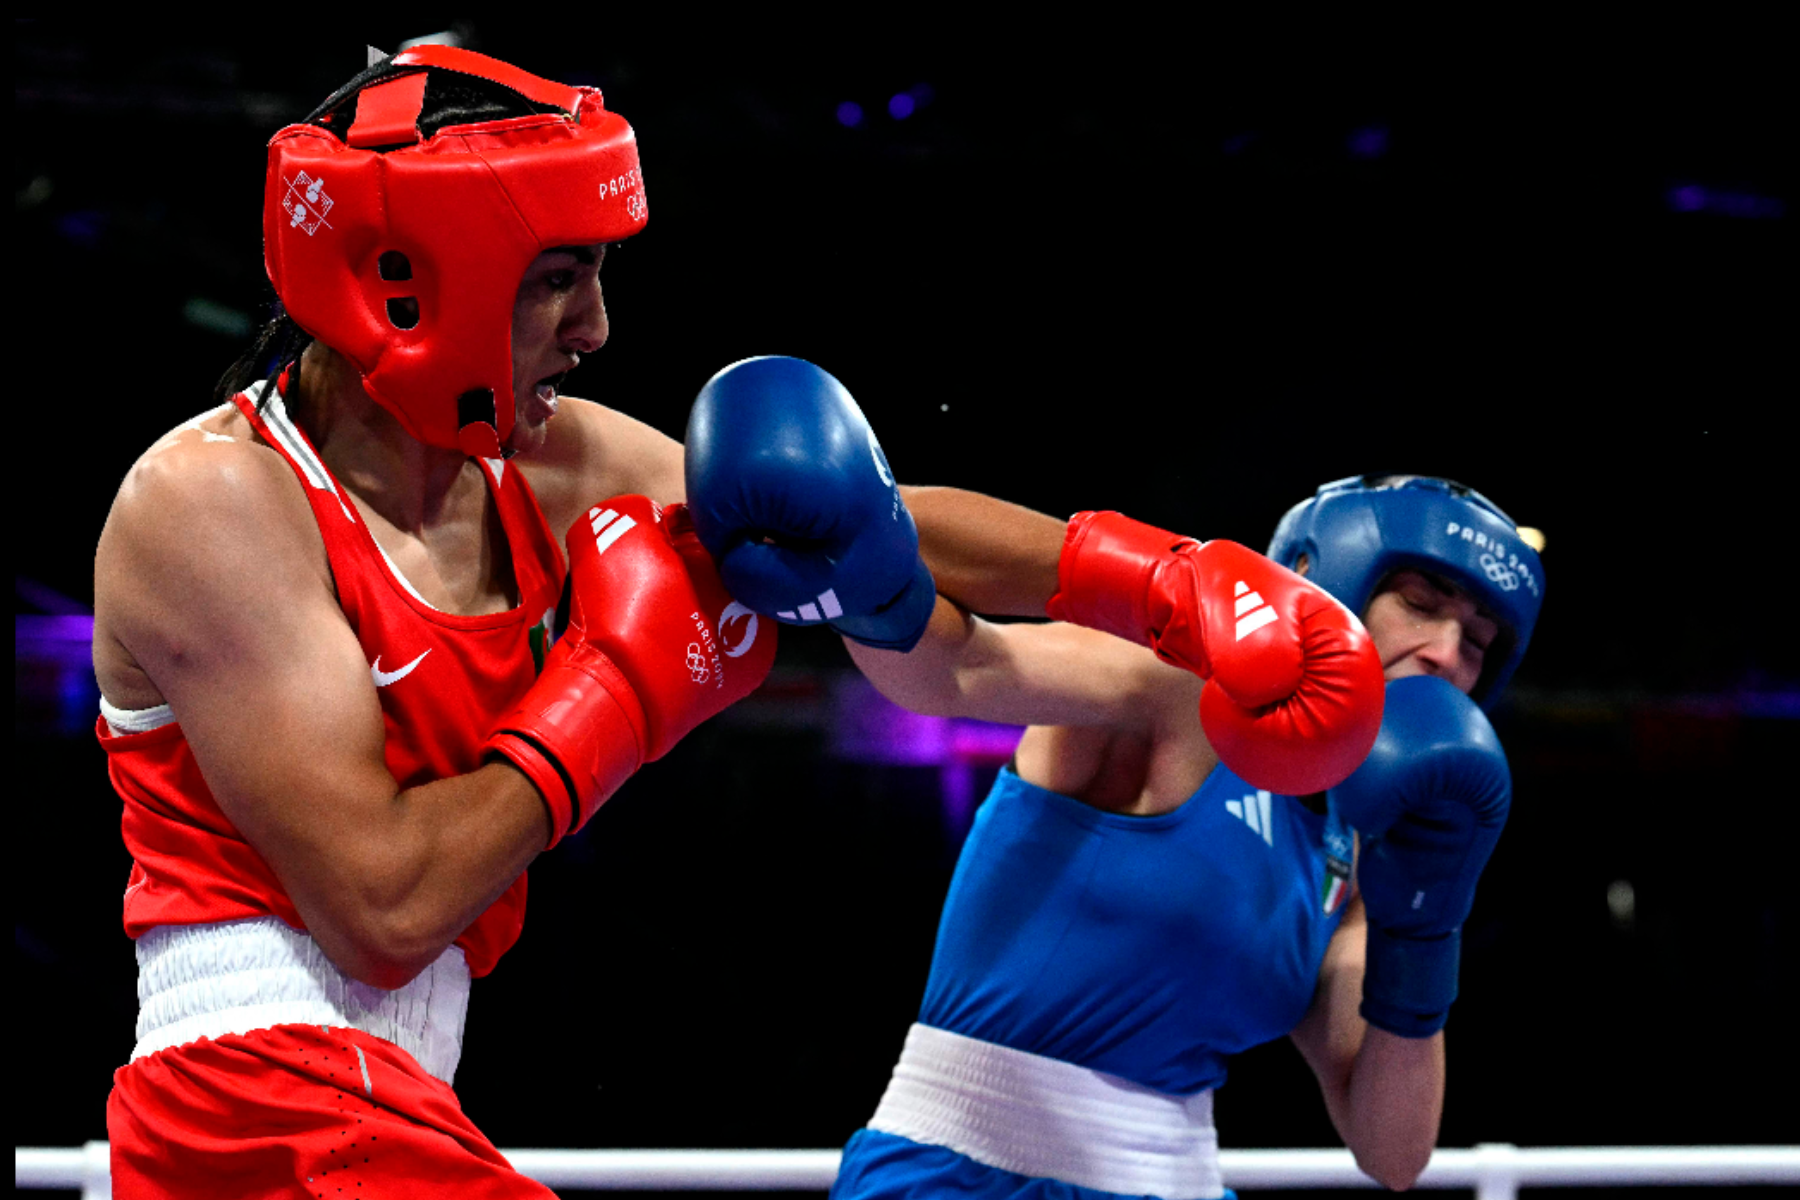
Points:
[(451, 98)]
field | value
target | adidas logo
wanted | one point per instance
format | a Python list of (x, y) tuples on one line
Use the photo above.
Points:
[(608, 527), (828, 601), (1257, 812), (1253, 612)]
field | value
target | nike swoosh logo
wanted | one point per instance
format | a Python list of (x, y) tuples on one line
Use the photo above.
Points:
[(383, 678)]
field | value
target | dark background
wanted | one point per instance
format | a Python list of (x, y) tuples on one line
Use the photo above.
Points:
[(1188, 273)]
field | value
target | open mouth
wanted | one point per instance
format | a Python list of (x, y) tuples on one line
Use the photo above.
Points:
[(547, 390)]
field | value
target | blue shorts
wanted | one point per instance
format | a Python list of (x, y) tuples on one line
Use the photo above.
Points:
[(884, 1166)]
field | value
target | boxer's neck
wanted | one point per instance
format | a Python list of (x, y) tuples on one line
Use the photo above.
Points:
[(407, 482)]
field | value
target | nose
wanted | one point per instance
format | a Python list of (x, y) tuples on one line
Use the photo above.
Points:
[(1441, 646), (584, 328)]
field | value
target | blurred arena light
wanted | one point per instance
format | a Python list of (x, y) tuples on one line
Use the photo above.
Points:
[(1621, 902), (850, 114), (1533, 537), (1695, 198), (444, 37), (1371, 141), (217, 318)]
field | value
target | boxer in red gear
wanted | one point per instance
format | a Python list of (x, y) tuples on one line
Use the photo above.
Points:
[(310, 624)]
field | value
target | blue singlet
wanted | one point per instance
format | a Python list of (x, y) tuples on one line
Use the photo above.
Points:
[(1151, 948)]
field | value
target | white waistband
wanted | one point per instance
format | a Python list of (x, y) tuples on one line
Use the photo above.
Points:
[(1050, 1119), (198, 981)]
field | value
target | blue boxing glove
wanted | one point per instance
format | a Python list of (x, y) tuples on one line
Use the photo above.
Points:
[(1429, 801), (791, 494)]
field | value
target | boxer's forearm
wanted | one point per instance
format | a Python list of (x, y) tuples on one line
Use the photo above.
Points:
[(1390, 1111), (417, 871), (987, 555)]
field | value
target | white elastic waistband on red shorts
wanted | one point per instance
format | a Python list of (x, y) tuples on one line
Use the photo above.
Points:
[(198, 981), (1050, 1119)]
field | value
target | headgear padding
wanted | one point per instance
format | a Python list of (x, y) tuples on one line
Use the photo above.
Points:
[(466, 209), (1355, 533)]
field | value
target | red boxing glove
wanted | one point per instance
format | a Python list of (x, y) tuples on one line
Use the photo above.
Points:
[(1296, 694), (654, 646)]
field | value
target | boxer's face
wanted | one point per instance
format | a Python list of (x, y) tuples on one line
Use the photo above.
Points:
[(558, 316), (1424, 625)]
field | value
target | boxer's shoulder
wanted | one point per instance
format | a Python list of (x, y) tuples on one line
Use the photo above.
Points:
[(591, 450), (208, 523), (210, 501), (213, 467)]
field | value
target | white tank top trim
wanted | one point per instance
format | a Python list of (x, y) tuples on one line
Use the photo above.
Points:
[(198, 981), (1049, 1119), (135, 720)]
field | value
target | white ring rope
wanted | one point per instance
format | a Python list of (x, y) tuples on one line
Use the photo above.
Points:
[(1495, 1170)]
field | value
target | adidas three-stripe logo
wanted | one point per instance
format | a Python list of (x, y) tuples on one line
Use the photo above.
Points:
[(608, 527), (1257, 812), (1253, 612), (828, 603)]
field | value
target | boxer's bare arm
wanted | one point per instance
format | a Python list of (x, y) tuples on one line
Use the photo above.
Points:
[(1110, 723), (1385, 1093), (212, 578), (593, 451), (988, 555), (1037, 674)]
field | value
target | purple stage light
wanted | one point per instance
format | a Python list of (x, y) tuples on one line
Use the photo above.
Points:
[(1371, 141), (1746, 206), (53, 674), (867, 727), (850, 114), (64, 638), (1687, 199), (901, 105), (1237, 143)]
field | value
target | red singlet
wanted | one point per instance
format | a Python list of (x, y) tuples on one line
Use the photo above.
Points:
[(443, 680), (276, 1108)]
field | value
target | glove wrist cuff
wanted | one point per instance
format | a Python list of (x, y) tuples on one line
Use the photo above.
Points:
[(578, 734), (1105, 573), (902, 621), (544, 773), (1410, 983)]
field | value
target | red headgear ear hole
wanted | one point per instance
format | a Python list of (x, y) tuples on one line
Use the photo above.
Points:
[(394, 265), (403, 311), (479, 435)]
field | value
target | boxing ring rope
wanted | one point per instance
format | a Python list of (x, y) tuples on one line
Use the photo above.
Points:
[(1496, 1171)]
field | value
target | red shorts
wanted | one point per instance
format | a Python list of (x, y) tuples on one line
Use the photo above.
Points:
[(297, 1111)]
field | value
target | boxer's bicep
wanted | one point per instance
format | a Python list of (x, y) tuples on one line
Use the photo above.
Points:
[(222, 596)]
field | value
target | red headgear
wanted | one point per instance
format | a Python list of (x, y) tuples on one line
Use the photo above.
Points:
[(467, 210)]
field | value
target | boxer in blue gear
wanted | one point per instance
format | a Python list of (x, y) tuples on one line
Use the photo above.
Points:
[(1127, 914)]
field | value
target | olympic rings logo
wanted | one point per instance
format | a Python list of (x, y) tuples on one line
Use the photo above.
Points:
[(1504, 576), (696, 663)]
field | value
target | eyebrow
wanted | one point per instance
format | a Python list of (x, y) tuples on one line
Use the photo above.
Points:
[(1453, 590), (582, 254)]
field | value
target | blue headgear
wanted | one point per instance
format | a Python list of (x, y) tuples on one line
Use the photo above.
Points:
[(1358, 531)]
